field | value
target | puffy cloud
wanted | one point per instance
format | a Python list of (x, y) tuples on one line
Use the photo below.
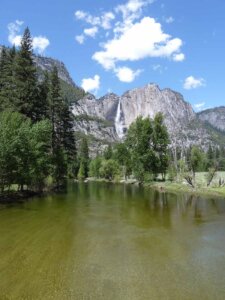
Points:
[(192, 83), (91, 31), (14, 28), (91, 84), (80, 15), (80, 38), (179, 57), (40, 43), (106, 19), (133, 38), (88, 18), (126, 74), (103, 21), (132, 9), (143, 39)]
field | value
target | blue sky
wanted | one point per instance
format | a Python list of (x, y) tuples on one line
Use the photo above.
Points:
[(119, 45)]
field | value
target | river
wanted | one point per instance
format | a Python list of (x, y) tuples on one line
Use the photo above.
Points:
[(104, 241)]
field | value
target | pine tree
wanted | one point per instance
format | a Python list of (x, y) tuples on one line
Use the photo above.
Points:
[(84, 156), (68, 133), (43, 110), (7, 84), (160, 144), (63, 141), (26, 79)]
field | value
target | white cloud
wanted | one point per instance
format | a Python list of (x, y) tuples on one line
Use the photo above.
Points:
[(14, 29), (143, 39), (133, 38), (106, 19), (80, 15), (80, 38), (126, 74), (132, 9), (169, 20), (40, 43), (179, 57), (91, 84), (193, 83), (88, 18), (199, 105), (91, 31)]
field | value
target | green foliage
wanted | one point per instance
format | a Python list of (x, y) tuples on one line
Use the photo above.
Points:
[(24, 154), (71, 93), (44, 141), (172, 172), (196, 159), (147, 142), (7, 85), (160, 145), (94, 167), (108, 153), (84, 157), (122, 156), (25, 79), (82, 171), (109, 169)]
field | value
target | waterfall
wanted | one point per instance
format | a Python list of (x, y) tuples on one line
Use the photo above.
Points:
[(118, 121)]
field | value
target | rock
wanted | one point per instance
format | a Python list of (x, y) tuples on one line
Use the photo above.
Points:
[(214, 116), (184, 125)]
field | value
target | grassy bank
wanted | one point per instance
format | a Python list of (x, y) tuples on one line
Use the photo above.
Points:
[(181, 186), (200, 185)]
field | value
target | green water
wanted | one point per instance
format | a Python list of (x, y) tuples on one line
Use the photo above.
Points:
[(102, 241)]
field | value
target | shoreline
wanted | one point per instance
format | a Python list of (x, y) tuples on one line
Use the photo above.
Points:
[(170, 187), (17, 197), (166, 186), (173, 187)]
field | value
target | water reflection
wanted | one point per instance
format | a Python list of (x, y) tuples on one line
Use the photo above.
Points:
[(105, 241)]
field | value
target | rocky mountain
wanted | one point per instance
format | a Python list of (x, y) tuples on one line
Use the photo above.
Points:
[(47, 64), (107, 119), (214, 116), (184, 126)]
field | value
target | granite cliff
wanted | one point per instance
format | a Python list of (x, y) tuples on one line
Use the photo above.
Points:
[(184, 125), (214, 116)]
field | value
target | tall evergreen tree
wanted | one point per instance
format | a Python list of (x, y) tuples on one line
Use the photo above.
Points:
[(160, 145), (43, 110), (26, 79), (63, 141), (7, 84), (84, 157)]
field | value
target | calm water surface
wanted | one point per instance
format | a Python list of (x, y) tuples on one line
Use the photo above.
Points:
[(102, 241)]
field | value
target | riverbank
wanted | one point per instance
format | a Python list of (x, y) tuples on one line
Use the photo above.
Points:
[(17, 196), (183, 188), (174, 187)]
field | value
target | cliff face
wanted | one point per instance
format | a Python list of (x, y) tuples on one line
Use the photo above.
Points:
[(214, 116), (47, 64), (184, 126), (149, 100)]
